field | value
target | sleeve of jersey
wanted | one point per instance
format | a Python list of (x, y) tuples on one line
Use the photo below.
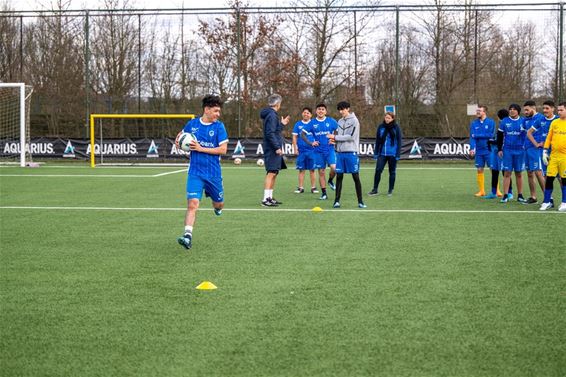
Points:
[(548, 140), (472, 138), (222, 135), (296, 129), (399, 142)]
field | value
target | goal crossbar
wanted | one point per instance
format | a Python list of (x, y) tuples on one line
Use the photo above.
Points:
[(93, 117)]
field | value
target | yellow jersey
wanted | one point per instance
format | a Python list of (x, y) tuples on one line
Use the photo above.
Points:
[(556, 138)]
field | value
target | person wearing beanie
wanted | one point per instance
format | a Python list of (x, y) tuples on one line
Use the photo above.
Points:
[(511, 148), (481, 130)]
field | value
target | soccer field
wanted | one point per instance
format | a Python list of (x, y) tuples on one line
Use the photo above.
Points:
[(428, 282)]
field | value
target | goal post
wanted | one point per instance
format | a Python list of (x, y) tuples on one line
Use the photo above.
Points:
[(15, 99), (100, 117)]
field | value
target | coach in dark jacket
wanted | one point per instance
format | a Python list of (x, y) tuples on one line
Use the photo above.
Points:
[(387, 150), (272, 147)]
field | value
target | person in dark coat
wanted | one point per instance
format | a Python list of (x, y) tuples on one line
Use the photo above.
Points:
[(387, 150), (272, 147)]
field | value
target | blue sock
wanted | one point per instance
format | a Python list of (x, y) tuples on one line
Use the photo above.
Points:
[(510, 191), (547, 195), (563, 192), (494, 190)]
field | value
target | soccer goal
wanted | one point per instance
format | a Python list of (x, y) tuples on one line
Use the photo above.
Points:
[(15, 99), (135, 139)]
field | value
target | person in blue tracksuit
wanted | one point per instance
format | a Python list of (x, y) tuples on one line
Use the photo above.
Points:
[(387, 150)]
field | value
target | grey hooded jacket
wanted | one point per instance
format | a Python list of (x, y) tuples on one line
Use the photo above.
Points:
[(348, 134)]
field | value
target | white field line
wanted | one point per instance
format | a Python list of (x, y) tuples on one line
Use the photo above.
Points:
[(79, 175), (170, 172), (455, 211), (183, 170)]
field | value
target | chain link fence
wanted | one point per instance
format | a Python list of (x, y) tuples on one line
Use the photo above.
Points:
[(430, 61)]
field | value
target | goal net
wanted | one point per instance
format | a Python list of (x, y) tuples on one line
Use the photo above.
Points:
[(15, 99), (130, 139)]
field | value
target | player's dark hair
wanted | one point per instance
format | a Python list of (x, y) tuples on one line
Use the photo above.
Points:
[(549, 103), (502, 114), (343, 105), (484, 107), (530, 103), (563, 103), (211, 100), (307, 108), (515, 106), (391, 114), (321, 105)]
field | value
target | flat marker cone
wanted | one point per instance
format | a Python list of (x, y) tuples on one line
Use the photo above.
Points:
[(206, 286), (317, 209)]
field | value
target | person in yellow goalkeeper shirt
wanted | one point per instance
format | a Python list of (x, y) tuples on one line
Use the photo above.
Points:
[(556, 161)]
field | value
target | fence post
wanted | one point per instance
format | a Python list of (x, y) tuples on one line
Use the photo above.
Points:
[(397, 73)]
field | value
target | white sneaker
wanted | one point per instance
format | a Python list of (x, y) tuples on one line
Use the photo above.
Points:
[(562, 207), (545, 206)]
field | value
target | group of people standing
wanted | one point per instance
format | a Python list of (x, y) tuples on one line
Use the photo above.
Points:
[(322, 142), (534, 142)]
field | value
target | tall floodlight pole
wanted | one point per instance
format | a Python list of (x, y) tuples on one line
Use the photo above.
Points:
[(139, 63), (239, 74), (355, 53), (397, 73), (476, 51), (561, 55), (87, 78)]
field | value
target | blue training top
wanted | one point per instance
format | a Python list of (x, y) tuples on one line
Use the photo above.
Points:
[(480, 133), (209, 135), (533, 122), (319, 129), (297, 130), (514, 133)]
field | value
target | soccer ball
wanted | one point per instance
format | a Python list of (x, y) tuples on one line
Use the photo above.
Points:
[(260, 162), (185, 140), (237, 161)]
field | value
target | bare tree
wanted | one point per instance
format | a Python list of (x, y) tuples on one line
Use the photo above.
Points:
[(54, 66), (115, 55), (9, 46)]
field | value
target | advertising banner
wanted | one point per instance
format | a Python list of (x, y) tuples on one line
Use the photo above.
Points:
[(152, 149)]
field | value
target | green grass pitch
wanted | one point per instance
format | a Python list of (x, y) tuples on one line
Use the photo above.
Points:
[(429, 282)]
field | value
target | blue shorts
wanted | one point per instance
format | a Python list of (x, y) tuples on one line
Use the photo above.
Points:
[(347, 162), (533, 159), (514, 160), (495, 162), (305, 160), (324, 159), (482, 160), (212, 188)]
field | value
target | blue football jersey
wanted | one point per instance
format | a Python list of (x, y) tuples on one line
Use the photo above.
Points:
[(209, 135), (541, 128), (533, 122), (514, 133), (321, 128), (297, 130), (480, 133)]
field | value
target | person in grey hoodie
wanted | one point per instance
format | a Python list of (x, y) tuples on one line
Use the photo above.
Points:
[(347, 139)]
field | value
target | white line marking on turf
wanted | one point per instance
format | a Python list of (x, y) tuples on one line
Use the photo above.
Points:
[(79, 175), (170, 172), (270, 210)]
